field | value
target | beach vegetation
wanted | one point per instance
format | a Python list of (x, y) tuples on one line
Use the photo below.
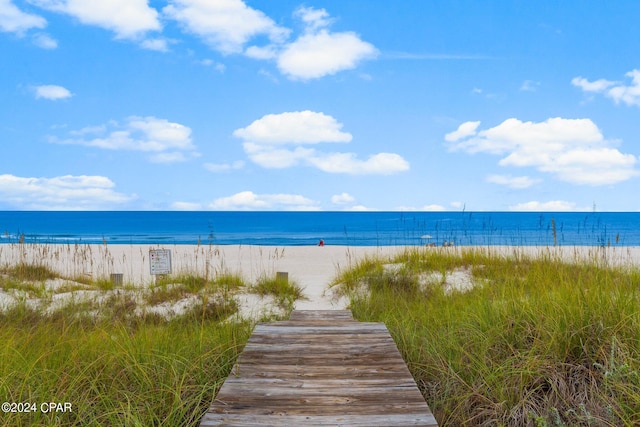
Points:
[(509, 340), (29, 272), (285, 291), (113, 371), (122, 356), (126, 354)]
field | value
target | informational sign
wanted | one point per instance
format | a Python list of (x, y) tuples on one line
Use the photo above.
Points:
[(160, 261)]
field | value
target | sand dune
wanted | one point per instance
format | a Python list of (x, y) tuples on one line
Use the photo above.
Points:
[(312, 267)]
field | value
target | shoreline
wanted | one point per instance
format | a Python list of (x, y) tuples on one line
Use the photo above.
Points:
[(312, 267)]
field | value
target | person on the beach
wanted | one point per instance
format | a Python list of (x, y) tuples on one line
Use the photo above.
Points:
[(321, 243)]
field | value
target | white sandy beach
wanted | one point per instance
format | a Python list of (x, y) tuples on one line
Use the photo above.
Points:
[(312, 267)]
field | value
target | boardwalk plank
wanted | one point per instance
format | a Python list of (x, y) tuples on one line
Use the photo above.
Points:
[(396, 420), (319, 368)]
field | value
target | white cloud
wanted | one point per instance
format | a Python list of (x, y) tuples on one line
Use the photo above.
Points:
[(230, 25), (52, 92), (128, 19), (627, 94), (248, 200), (595, 86), (167, 141), (159, 44), (227, 25), (464, 130), (279, 140), (224, 167), (573, 150), (299, 127), (517, 182), (313, 19), (317, 54), (45, 41), (61, 193), (342, 199), (262, 52), (13, 20), (551, 206)]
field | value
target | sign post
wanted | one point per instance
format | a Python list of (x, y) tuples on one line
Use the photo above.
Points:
[(160, 261)]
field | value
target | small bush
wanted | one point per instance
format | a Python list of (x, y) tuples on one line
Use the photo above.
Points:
[(286, 292)]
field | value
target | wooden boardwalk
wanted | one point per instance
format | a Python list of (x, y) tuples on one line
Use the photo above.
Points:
[(319, 368)]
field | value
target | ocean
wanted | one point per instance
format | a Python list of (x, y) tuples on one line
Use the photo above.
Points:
[(334, 228)]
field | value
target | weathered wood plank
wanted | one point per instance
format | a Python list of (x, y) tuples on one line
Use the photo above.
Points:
[(292, 327), (320, 368), (329, 315), (303, 372), (321, 383), (381, 420)]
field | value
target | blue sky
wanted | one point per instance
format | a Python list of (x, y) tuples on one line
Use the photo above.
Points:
[(323, 105)]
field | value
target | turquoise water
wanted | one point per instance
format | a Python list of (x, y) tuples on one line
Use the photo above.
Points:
[(335, 228)]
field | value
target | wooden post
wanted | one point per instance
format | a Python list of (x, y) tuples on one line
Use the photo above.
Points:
[(116, 279)]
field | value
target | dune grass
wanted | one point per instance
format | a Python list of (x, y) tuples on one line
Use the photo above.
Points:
[(536, 342), (111, 357), (285, 291), (114, 372)]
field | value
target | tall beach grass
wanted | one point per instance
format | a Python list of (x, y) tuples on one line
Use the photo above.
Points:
[(535, 342), (127, 355)]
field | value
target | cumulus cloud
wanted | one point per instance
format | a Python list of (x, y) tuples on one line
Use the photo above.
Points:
[(128, 19), (51, 92), (319, 52), (167, 142), (14, 20), (316, 55), (230, 26), (515, 182), (464, 130), (299, 127), (594, 86), (282, 140), (248, 200), (573, 150), (66, 192), (628, 94), (226, 25), (551, 206)]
